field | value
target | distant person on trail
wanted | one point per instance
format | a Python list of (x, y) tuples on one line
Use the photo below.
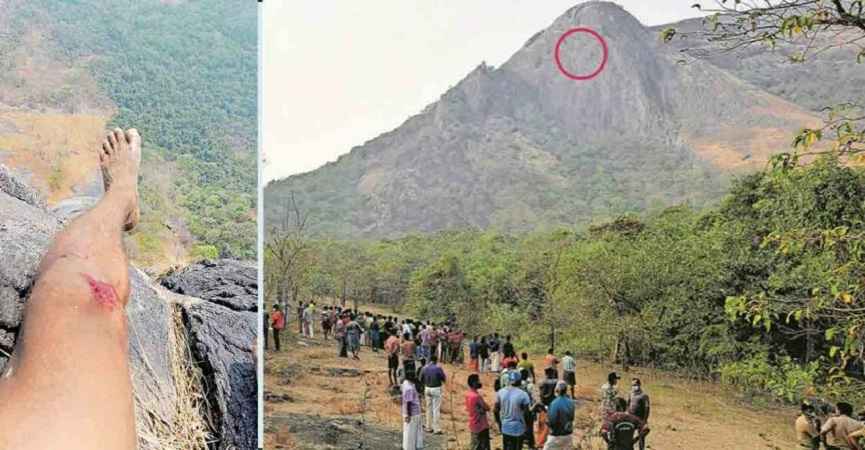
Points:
[(474, 355), (433, 378), (277, 322), (300, 308), (550, 360), (493, 345), (526, 364), (308, 321), (508, 348), (68, 383), (391, 347), (838, 428), (325, 322), (507, 360), (477, 410), (484, 355), (375, 334), (412, 431), (560, 419), (339, 333), (353, 331), (407, 351), (529, 388), (512, 404), (807, 428), (638, 405), (621, 429), (569, 369), (426, 339), (609, 393)]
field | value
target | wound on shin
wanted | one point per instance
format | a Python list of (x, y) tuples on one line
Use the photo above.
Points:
[(103, 293)]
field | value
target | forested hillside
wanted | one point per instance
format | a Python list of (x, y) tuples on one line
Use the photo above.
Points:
[(761, 291), (184, 73)]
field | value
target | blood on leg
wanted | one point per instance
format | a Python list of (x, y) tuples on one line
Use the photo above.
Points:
[(102, 293)]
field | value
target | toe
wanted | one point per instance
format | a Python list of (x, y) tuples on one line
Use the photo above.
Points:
[(112, 143), (120, 137), (106, 148), (133, 137)]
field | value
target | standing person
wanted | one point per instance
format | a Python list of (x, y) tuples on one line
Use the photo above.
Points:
[(609, 393), (526, 364), (547, 388), (839, 427), (808, 428), (508, 348), (619, 427), (412, 431), (308, 321), (300, 308), (426, 339), (407, 351), (473, 355), (560, 419), (529, 388), (339, 333), (375, 334), (638, 405), (494, 353), (353, 331), (569, 369), (550, 360), (277, 322), (477, 409), (433, 378), (484, 355), (325, 322), (391, 347), (512, 404)]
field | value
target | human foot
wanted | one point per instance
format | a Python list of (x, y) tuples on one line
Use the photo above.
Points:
[(119, 159)]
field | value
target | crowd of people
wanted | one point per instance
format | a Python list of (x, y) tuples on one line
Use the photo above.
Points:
[(821, 425), (528, 412)]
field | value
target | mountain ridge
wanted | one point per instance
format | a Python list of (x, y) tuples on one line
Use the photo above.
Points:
[(521, 147)]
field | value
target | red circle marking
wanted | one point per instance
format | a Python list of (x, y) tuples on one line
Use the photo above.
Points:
[(603, 60)]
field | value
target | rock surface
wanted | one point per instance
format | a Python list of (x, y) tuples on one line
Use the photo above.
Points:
[(221, 338), (227, 282)]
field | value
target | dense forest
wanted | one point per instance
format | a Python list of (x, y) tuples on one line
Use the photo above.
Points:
[(185, 74), (762, 291)]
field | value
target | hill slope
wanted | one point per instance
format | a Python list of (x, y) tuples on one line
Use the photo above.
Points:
[(521, 146), (182, 72)]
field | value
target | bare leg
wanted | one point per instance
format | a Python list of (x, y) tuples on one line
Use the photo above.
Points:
[(68, 383)]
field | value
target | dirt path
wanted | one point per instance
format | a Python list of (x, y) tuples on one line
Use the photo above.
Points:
[(316, 400)]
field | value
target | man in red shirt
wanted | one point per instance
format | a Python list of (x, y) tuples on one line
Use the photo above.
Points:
[(621, 429), (477, 409), (277, 322)]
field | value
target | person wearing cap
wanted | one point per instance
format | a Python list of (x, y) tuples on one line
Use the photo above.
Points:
[(560, 419), (412, 431), (477, 409), (638, 405), (609, 393), (512, 404)]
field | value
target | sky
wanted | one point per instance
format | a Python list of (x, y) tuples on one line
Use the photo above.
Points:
[(337, 73)]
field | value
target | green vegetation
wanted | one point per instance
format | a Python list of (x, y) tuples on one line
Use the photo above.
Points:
[(763, 291), (185, 74)]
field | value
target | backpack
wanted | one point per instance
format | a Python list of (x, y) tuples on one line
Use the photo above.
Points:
[(622, 435)]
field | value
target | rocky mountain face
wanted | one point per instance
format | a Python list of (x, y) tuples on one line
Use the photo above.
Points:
[(521, 146), (182, 347)]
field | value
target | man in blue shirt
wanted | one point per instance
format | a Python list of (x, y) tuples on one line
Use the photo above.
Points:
[(433, 377), (560, 418), (512, 404)]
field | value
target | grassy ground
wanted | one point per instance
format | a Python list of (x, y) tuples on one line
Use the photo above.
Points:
[(307, 377)]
